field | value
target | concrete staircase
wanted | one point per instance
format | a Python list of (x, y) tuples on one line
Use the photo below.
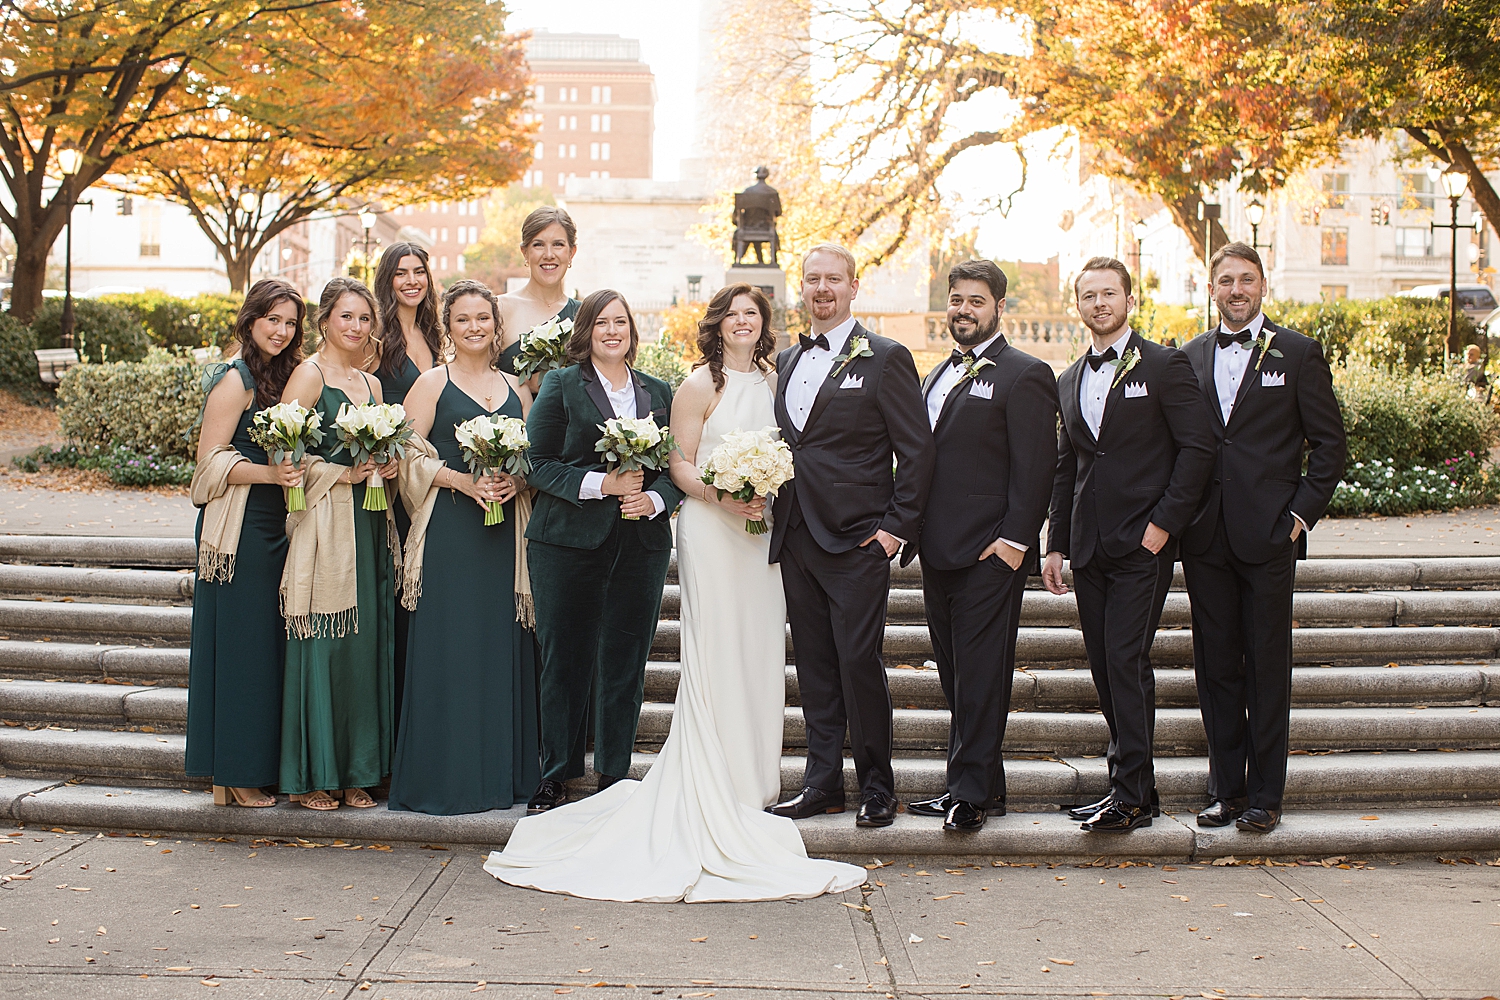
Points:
[(1396, 714)]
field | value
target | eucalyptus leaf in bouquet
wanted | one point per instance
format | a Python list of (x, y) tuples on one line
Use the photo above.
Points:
[(494, 443), (375, 432), (286, 431)]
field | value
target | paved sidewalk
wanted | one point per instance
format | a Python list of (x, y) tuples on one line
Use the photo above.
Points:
[(95, 916)]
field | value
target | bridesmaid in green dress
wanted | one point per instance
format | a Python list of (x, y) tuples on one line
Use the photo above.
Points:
[(234, 669), (410, 343), (468, 732), (337, 702), (549, 241)]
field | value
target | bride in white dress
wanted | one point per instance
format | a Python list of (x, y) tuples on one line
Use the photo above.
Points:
[(695, 828)]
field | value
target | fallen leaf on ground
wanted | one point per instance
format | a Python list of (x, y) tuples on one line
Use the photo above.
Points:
[(913, 940), (1060, 961), (698, 940)]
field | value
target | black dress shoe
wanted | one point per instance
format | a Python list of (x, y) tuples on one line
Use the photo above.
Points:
[(1155, 803), (549, 795), (876, 810), (1221, 812), (940, 806), (1118, 818), (1258, 820), (964, 817), (605, 780), (1092, 809), (809, 802)]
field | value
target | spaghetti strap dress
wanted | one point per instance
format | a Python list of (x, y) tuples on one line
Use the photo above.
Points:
[(507, 361)]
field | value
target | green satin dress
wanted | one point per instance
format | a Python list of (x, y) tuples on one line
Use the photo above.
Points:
[(507, 360), (468, 727), (239, 638), (337, 707)]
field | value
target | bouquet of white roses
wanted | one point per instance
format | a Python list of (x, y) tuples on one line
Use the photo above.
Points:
[(286, 430), (543, 348), (749, 464), (631, 443), (374, 431), (494, 443)]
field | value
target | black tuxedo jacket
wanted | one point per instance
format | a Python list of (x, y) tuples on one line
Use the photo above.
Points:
[(844, 484), (995, 458), (1258, 463), (1149, 465)]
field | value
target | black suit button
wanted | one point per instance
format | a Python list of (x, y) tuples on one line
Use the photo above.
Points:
[(1227, 442), (1216, 482), (1098, 454)]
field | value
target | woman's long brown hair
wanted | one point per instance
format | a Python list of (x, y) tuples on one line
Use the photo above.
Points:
[(392, 339), (270, 372), (711, 337)]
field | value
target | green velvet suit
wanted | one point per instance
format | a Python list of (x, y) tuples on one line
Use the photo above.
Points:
[(595, 576)]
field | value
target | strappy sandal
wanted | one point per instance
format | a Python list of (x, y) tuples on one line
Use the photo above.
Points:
[(319, 801), (251, 798), (358, 798)]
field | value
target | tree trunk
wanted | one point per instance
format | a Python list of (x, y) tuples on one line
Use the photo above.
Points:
[(237, 267), (29, 279), (1185, 213)]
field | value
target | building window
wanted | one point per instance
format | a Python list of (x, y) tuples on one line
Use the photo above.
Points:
[(1413, 241), (562, 123), (562, 180), (150, 216), (594, 121), (594, 96), (1330, 292), (1335, 245), (593, 175), (540, 179), (604, 174), (605, 123), (434, 234), (526, 179), (573, 123), (124, 206), (537, 153), (1336, 190), (604, 151), (445, 235), (572, 151), (1419, 191), (463, 208), (593, 151), (460, 262), (606, 96), (444, 207), (541, 93), (442, 263), (573, 95)]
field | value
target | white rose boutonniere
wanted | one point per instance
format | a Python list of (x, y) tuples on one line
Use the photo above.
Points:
[(1130, 360), (1264, 343), (858, 347)]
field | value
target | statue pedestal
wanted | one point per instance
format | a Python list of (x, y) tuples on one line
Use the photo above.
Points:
[(772, 281)]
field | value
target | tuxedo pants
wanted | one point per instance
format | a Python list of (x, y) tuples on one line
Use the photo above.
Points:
[(596, 614), (1242, 655), (1119, 605), (836, 603), (972, 616)]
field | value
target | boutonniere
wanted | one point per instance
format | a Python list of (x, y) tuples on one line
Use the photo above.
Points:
[(1264, 343), (1130, 360), (973, 366), (858, 347)]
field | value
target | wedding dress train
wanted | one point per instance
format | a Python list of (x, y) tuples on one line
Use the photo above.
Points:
[(694, 828)]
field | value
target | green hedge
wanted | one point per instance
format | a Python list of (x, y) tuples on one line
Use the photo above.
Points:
[(124, 466), (1393, 332), (663, 362), (205, 320), (18, 360), (102, 331), (145, 406)]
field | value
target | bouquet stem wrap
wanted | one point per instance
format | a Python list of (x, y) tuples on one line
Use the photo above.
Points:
[(286, 431), (375, 432), (375, 493), (493, 444)]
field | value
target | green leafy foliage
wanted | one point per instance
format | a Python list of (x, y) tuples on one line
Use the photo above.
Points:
[(18, 362), (153, 404), (102, 331), (1378, 487), (124, 466), (662, 361), (1393, 332), (205, 320)]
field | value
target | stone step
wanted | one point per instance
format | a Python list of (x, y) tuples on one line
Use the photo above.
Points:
[(1410, 778), (1306, 833), (143, 664), (99, 550), (149, 585), (78, 619)]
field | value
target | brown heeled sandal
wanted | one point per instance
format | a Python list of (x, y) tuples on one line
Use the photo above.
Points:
[(225, 795), (358, 798), (319, 801)]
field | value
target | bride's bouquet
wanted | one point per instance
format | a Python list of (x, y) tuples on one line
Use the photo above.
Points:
[(631, 443), (494, 443), (374, 431), (543, 348), (287, 430), (749, 464)]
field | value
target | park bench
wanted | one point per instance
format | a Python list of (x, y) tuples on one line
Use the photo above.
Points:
[(53, 361)]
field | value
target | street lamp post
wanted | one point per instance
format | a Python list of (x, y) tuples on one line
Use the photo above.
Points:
[(1208, 213), (367, 221), (1255, 214), (1455, 183), (1139, 229), (70, 160)]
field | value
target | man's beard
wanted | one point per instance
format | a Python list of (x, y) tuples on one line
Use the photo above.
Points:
[(1088, 321), (982, 332)]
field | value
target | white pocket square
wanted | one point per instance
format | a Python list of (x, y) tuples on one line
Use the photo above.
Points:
[(852, 381), (1134, 389), (1273, 378), (984, 390)]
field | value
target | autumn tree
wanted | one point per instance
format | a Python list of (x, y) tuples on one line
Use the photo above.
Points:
[(113, 79), (391, 102)]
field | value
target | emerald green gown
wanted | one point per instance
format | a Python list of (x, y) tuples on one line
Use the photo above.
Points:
[(393, 389), (338, 693), (468, 730), (507, 360), (239, 639)]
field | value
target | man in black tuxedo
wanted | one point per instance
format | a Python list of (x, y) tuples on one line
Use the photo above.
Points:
[(1270, 399), (848, 402), (993, 411), (1133, 454)]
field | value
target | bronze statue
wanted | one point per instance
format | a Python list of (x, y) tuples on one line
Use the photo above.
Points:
[(755, 211)]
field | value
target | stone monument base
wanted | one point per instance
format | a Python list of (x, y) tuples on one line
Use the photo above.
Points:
[(772, 281)]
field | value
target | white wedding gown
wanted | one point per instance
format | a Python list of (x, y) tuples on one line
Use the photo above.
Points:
[(695, 828)]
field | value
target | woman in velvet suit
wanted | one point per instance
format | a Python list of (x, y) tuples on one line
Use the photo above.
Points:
[(600, 541)]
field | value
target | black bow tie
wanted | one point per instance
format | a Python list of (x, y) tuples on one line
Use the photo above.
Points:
[(1098, 360), (961, 358), (1225, 339), (808, 343)]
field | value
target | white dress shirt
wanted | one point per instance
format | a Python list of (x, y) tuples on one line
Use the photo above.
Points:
[(937, 396), (1093, 387), (1230, 364), (804, 381), (623, 402)]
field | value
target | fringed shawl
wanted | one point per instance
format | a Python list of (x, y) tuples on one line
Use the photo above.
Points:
[(223, 513)]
